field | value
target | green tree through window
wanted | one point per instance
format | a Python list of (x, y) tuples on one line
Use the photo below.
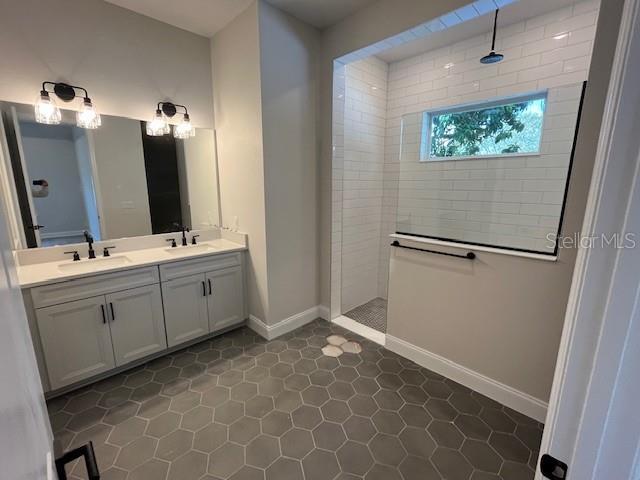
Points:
[(499, 129)]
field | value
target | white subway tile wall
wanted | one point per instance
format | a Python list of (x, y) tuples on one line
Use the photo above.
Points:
[(510, 202), (363, 176), (513, 201), (337, 178)]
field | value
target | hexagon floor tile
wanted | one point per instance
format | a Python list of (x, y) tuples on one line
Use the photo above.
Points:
[(240, 407)]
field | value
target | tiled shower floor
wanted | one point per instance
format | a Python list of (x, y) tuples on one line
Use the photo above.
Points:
[(238, 407), (372, 314)]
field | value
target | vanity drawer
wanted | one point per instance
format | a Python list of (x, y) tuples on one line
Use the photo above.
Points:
[(184, 268), (92, 286)]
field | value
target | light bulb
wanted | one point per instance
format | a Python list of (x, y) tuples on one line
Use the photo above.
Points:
[(46, 110), (184, 129), (87, 117), (158, 125)]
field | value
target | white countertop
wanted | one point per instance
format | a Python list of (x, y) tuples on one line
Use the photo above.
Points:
[(37, 274)]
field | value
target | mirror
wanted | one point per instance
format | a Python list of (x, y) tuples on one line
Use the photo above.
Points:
[(113, 182)]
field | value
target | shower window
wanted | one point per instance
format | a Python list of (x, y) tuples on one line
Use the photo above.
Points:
[(492, 129)]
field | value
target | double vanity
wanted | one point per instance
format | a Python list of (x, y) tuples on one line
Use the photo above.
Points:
[(95, 317), (147, 285)]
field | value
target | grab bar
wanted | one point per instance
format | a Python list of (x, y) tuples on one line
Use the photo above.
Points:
[(468, 255)]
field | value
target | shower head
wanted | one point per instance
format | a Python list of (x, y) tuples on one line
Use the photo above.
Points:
[(493, 57)]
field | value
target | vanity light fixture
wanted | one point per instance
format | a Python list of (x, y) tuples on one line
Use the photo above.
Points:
[(184, 129), (48, 112), (159, 125), (87, 116)]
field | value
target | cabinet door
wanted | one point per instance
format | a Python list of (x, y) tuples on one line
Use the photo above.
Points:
[(185, 308), (226, 301), (137, 323), (75, 340)]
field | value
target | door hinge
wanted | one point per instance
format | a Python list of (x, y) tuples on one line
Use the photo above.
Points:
[(553, 468)]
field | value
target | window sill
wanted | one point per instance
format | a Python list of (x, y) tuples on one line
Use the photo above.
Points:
[(480, 157), (467, 246)]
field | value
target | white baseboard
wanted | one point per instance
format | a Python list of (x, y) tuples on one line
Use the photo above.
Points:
[(284, 326), (362, 330), (504, 394)]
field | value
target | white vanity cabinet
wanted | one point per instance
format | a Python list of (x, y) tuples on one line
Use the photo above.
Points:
[(185, 308), (88, 326), (225, 302), (201, 297), (76, 341), (136, 323), (82, 338)]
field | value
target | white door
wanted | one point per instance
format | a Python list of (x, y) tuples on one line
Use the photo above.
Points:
[(185, 308), (26, 443), (593, 420), (83, 353), (137, 323), (225, 301)]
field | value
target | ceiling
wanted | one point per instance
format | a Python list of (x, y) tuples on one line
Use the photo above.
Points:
[(512, 13), (206, 17), (320, 13)]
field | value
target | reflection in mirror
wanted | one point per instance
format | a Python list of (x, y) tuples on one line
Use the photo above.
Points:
[(492, 174), (112, 182)]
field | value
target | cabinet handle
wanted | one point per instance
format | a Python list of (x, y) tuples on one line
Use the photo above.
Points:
[(210, 290), (113, 315), (204, 289), (104, 317)]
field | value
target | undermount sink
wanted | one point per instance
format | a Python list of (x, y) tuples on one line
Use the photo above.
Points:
[(189, 249), (90, 265)]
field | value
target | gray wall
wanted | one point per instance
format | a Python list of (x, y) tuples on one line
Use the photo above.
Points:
[(235, 52), (127, 61), (288, 71), (264, 72)]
